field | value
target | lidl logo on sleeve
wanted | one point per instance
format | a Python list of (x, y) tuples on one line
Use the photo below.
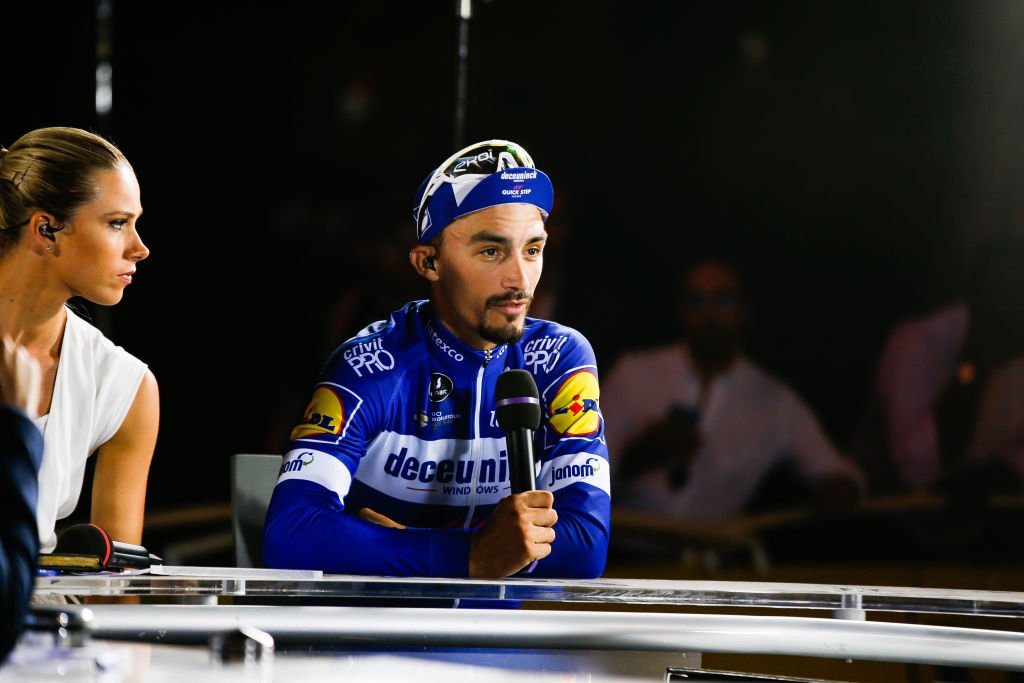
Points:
[(574, 410), (324, 415)]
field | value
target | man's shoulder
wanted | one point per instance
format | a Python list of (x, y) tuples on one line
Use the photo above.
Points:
[(756, 380), (537, 330), (947, 322), (375, 353), (751, 372), (535, 324), (548, 346), (399, 326)]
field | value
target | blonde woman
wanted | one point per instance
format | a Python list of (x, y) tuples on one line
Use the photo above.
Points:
[(69, 211)]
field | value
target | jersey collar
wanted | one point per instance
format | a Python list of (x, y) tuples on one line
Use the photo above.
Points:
[(447, 346)]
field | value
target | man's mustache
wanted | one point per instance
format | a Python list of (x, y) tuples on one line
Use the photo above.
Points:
[(509, 297)]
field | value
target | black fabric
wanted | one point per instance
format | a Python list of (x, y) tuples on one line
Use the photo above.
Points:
[(21, 452)]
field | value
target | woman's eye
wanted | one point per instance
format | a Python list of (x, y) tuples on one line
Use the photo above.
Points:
[(119, 223)]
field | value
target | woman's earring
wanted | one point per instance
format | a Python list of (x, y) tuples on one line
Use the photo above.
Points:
[(49, 247)]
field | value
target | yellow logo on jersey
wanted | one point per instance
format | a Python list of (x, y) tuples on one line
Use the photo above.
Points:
[(574, 411), (324, 415)]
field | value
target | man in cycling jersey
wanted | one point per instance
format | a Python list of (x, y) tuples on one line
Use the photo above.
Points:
[(399, 466)]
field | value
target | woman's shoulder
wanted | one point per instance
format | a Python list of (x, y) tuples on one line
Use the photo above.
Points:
[(81, 337)]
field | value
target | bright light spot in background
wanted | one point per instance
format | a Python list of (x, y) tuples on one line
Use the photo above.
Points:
[(104, 88)]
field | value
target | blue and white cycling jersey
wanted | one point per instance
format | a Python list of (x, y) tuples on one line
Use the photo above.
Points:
[(402, 421)]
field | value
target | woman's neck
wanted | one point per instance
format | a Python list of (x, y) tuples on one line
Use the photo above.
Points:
[(30, 313)]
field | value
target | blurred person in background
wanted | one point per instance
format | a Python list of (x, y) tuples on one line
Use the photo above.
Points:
[(946, 411), (695, 426)]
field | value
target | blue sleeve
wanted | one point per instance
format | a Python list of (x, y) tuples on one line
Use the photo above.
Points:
[(21, 451), (307, 528), (307, 524), (581, 535), (574, 465)]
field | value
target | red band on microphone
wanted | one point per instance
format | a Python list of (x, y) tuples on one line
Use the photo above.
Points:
[(106, 540)]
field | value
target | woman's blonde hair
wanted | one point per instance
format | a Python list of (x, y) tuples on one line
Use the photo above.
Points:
[(50, 169)]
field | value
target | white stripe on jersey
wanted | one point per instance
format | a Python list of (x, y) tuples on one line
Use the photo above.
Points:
[(575, 467), (307, 464), (439, 472)]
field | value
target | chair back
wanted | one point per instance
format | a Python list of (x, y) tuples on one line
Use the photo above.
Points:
[(253, 476)]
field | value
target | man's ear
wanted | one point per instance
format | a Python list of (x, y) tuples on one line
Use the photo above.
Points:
[(423, 258)]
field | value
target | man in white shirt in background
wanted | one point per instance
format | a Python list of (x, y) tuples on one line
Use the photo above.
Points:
[(694, 427)]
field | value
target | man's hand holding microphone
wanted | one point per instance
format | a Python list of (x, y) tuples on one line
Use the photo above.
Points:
[(519, 531)]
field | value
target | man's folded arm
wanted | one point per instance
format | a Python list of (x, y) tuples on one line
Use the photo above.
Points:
[(307, 528)]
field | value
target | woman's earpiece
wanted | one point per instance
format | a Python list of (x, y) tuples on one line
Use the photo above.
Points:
[(428, 263), (47, 231)]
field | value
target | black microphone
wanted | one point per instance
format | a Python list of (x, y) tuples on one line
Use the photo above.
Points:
[(93, 542), (517, 407)]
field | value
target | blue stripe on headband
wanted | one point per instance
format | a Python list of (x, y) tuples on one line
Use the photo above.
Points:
[(511, 186)]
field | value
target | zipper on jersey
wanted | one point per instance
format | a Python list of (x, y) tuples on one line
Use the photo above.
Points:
[(474, 440)]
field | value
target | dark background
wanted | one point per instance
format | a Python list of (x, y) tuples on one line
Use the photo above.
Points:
[(848, 153)]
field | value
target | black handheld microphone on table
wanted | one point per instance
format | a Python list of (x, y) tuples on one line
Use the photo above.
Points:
[(517, 407), (88, 547)]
